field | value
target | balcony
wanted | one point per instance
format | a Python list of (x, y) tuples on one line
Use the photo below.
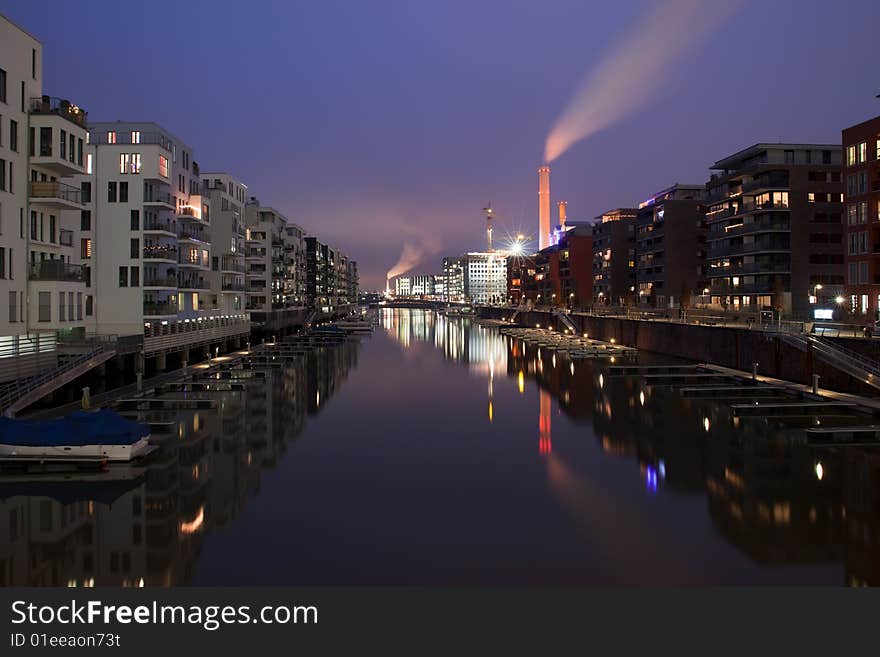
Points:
[(767, 182), (165, 282), (55, 195), (718, 250), (194, 233), (232, 266), (48, 105), (162, 199), (750, 228), (769, 205), (160, 252), (160, 226), (749, 268), (159, 309), (56, 270), (192, 283), (124, 138), (232, 286)]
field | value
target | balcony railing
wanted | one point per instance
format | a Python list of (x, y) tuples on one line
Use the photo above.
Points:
[(749, 268), (227, 265), (55, 270), (60, 107), (160, 281), (124, 137), (766, 182), (158, 308), (55, 190), (233, 287), (158, 197), (192, 283), (159, 224), (753, 247), (747, 229), (769, 205), (190, 234), (160, 253)]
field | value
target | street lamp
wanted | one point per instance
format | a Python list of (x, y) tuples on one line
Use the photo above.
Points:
[(839, 299)]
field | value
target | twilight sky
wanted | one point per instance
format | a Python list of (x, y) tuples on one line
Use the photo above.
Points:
[(377, 123)]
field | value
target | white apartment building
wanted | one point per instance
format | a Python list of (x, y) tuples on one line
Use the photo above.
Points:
[(403, 286), (227, 197), (294, 289), (148, 249), (485, 277), (42, 144)]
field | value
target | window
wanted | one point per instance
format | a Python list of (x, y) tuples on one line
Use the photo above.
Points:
[(811, 197), (863, 272), (62, 145), (85, 220), (2, 262), (2, 85), (863, 212), (134, 248), (135, 276), (44, 312), (2, 175), (789, 157), (123, 277), (89, 164), (123, 192), (12, 309), (863, 182), (61, 306), (70, 306), (163, 166), (89, 308), (863, 242), (852, 214), (124, 162), (135, 221), (52, 225), (111, 137), (850, 155), (135, 137), (853, 243), (79, 152), (111, 192), (135, 162), (863, 152), (79, 305), (71, 153), (13, 136), (85, 248), (85, 192), (45, 142)]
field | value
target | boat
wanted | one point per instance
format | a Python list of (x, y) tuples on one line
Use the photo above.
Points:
[(85, 436)]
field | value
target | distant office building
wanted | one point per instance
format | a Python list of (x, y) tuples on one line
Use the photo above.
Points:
[(485, 277), (403, 286), (614, 255), (774, 228), (861, 144), (453, 278), (670, 245)]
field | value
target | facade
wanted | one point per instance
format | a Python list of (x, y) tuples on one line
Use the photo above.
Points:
[(329, 285), (403, 286), (227, 197), (614, 256), (575, 248), (775, 238), (264, 259), (861, 190), (42, 148), (453, 279), (485, 277), (670, 245)]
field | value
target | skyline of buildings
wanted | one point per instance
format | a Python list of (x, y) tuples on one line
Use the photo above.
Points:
[(111, 229)]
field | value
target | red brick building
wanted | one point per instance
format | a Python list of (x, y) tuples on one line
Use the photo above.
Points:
[(861, 197), (560, 275)]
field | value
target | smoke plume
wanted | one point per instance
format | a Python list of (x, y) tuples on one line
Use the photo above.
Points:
[(414, 253), (635, 68)]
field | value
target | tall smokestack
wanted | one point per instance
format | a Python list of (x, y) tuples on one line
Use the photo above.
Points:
[(563, 208), (543, 207)]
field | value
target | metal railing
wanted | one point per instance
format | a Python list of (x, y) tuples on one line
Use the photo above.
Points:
[(55, 190), (158, 224), (153, 308), (60, 107), (847, 360), (160, 281), (55, 270), (160, 253)]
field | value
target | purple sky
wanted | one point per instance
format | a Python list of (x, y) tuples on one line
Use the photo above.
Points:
[(373, 123)]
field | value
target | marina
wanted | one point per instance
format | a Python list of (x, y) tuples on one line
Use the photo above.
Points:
[(477, 454)]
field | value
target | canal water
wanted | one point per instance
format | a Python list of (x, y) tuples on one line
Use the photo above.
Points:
[(438, 452)]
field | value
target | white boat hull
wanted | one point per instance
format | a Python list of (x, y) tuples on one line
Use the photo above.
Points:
[(112, 453)]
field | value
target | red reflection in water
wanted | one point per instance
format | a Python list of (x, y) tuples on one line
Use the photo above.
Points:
[(545, 446)]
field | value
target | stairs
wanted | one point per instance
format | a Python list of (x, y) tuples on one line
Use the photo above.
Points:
[(20, 394), (523, 305), (565, 319), (846, 360)]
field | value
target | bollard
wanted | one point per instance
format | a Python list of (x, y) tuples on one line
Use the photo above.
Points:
[(815, 384), (140, 381), (754, 371), (86, 399)]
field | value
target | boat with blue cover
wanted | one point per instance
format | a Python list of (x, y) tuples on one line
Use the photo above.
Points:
[(101, 435)]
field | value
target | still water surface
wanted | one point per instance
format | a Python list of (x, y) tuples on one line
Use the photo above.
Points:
[(440, 452)]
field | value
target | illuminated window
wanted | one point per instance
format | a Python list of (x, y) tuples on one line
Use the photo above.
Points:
[(850, 155), (85, 248), (163, 166), (89, 163), (811, 197), (863, 152), (135, 162), (111, 137), (135, 137), (124, 162)]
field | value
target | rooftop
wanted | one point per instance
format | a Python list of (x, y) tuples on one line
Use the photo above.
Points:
[(755, 149)]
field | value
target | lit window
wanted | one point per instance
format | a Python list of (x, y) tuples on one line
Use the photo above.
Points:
[(89, 163), (850, 155), (811, 197), (124, 162), (135, 162), (111, 137), (136, 137), (863, 152), (163, 166)]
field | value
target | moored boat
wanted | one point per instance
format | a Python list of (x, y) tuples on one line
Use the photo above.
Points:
[(81, 436)]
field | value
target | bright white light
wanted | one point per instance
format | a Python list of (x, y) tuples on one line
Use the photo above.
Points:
[(820, 471)]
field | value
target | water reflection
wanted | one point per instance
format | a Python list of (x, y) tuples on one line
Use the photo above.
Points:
[(145, 525), (774, 497)]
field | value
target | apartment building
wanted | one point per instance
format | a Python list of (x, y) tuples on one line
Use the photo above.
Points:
[(670, 245), (294, 289), (226, 198), (329, 283), (861, 196), (614, 257), (774, 228), (42, 145)]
